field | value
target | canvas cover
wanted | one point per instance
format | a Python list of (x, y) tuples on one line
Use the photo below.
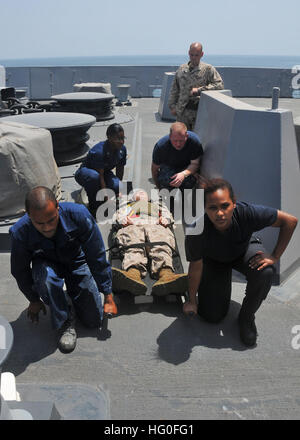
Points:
[(92, 87), (26, 161)]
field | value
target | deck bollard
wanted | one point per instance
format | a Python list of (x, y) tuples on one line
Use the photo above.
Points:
[(275, 97)]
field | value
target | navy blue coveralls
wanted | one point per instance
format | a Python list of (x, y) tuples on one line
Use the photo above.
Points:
[(100, 157), (74, 256)]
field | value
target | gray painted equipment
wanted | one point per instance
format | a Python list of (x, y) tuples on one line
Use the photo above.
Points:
[(123, 92), (11, 408), (68, 130), (26, 160), (255, 150), (163, 109), (297, 131), (96, 104), (275, 97), (6, 341), (46, 402), (93, 87)]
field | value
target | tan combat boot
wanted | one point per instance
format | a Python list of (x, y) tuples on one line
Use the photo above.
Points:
[(170, 282), (129, 280)]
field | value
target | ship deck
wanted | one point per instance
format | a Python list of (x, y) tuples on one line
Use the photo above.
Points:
[(153, 363)]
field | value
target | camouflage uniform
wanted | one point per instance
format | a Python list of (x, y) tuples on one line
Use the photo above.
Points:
[(146, 229), (205, 77)]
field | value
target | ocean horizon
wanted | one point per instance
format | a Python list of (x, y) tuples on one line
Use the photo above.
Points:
[(271, 61)]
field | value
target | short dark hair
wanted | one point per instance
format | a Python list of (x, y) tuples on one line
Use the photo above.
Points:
[(213, 185), (38, 198), (114, 129)]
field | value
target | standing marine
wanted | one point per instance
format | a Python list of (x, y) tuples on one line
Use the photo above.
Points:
[(190, 80)]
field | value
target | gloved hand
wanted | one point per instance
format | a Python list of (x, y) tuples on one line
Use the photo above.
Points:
[(34, 310)]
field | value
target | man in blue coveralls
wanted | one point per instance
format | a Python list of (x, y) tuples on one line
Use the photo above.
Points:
[(96, 172), (53, 244)]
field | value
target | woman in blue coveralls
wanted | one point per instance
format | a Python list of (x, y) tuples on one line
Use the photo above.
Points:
[(96, 173)]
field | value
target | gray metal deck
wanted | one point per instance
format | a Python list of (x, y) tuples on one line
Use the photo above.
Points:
[(154, 362)]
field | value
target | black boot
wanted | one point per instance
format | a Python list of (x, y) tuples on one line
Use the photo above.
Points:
[(67, 335), (248, 331)]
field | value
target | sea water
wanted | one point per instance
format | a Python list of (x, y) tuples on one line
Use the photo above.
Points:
[(274, 61)]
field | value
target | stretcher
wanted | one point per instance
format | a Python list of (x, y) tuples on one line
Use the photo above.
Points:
[(115, 255), (115, 258)]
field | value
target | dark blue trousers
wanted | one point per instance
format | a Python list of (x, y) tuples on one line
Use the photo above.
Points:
[(164, 178), (214, 292), (49, 279), (90, 181)]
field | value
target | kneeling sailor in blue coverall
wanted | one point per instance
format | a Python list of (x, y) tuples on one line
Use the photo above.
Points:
[(56, 243), (96, 173)]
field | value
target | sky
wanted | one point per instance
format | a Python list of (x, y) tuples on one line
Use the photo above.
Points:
[(60, 28)]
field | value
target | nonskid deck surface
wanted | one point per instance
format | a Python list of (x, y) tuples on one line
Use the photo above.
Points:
[(154, 362)]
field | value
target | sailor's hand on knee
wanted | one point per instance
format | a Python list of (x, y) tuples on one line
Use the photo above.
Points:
[(34, 310), (110, 307), (177, 179), (172, 182), (260, 261), (190, 308)]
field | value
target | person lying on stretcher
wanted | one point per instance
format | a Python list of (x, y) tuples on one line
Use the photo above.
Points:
[(144, 234)]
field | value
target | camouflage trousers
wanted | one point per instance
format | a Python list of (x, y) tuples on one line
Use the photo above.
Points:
[(188, 117), (160, 255)]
